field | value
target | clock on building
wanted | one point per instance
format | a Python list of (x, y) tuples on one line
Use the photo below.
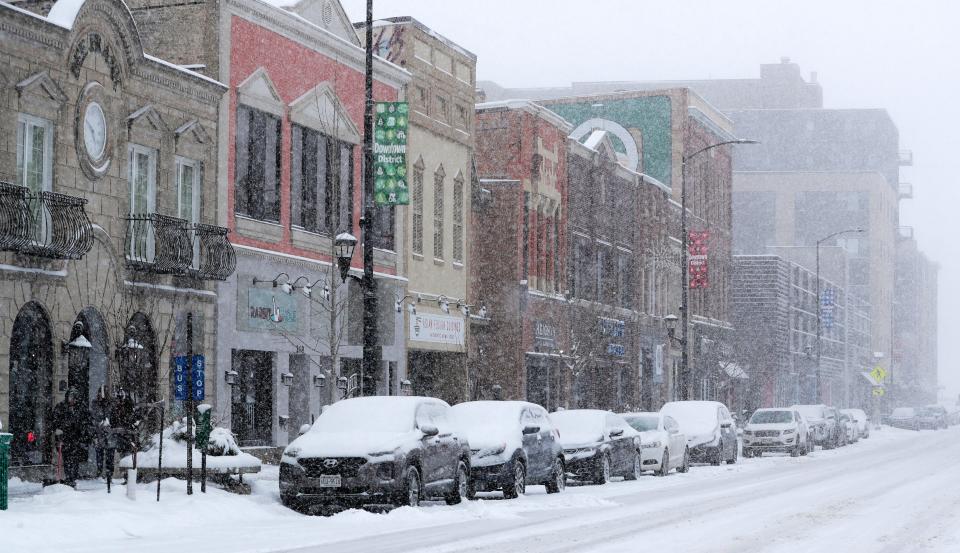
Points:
[(93, 131)]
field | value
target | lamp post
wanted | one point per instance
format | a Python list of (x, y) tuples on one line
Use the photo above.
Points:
[(78, 361), (685, 284), (818, 307)]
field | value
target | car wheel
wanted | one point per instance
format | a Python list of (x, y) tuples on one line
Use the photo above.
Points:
[(461, 487), (413, 493), (635, 468), (291, 502), (519, 484), (558, 480), (603, 470), (717, 456), (664, 463), (685, 467), (747, 453), (795, 452)]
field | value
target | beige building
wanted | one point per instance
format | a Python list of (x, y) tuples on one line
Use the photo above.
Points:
[(107, 204), (773, 210), (440, 165)]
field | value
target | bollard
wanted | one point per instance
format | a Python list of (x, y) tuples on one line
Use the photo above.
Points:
[(4, 464)]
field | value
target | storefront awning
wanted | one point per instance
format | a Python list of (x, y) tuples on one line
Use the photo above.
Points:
[(734, 371)]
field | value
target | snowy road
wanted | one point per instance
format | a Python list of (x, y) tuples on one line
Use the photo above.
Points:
[(896, 492)]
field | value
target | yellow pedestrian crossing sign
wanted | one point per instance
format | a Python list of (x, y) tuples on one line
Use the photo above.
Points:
[(879, 374), (878, 391)]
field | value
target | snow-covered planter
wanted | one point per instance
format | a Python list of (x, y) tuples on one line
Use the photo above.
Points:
[(223, 453)]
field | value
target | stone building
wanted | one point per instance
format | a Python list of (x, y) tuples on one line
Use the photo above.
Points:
[(913, 375), (108, 207), (440, 162), (290, 145)]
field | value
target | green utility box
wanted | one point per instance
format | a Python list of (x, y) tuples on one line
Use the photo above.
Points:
[(5, 440)]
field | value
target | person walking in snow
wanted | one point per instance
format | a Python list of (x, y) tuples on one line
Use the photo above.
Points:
[(104, 436), (72, 430)]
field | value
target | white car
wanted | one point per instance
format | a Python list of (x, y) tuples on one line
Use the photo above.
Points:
[(863, 422), (662, 445), (710, 430), (777, 429)]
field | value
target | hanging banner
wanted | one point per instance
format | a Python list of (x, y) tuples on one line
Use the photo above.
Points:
[(697, 258), (827, 302), (390, 154)]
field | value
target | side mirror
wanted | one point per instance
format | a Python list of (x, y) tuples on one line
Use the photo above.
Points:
[(531, 429), (429, 430), (616, 432), (304, 428)]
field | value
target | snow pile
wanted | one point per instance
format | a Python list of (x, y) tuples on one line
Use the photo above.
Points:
[(489, 425), (64, 12), (223, 453)]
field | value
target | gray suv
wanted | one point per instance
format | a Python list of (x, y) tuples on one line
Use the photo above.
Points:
[(376, 452)]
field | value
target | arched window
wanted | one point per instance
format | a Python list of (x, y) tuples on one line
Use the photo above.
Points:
[(31, 385), (137, 357)]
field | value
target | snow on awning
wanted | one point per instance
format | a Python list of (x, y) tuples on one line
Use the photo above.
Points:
[(734, 371)]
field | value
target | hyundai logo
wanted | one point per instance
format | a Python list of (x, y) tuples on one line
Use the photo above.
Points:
[(330, 463)]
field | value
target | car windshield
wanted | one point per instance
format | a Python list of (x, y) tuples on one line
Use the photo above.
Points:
[(578, 426), (694, 417), (371, 414), (903, 412), (485, 420), (812, 412), (771, 417), (643, 423)]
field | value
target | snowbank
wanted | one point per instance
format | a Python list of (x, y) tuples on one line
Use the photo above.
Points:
[(223, 454)]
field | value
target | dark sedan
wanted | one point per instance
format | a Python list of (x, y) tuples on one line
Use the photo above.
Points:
[(597, 445)]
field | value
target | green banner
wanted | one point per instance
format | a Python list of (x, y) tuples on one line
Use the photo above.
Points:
[(390, 153)]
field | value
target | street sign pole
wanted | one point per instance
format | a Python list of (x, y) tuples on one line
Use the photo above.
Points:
[(189, 403)]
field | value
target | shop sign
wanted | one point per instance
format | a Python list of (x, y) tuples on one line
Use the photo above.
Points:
[(611, 327), (438, 329), (269, 310), (544, 333), (697, 258), (616, 350)]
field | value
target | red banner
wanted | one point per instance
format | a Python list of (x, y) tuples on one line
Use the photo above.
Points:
[(697, 258)]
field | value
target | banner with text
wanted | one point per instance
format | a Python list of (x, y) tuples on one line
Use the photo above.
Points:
[(697, 258), (439, 329), (390, 154)]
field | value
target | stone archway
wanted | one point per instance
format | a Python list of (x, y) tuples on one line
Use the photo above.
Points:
[(94, 373), (31, 385)]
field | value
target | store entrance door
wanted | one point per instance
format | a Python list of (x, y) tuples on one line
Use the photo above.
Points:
[(252, 402)]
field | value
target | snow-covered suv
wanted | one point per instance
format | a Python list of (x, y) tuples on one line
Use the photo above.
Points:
[(775, 430), (381, 451)]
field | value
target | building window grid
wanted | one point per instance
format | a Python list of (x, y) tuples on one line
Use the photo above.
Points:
[(417, 234), (458, 219), (438, 186)]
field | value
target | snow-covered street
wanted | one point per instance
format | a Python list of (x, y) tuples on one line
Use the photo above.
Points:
[(896, 492)]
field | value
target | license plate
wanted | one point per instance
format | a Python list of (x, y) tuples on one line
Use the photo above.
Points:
[(768, 440), (329, 481)]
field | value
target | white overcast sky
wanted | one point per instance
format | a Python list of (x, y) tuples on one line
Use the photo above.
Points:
[(902, 56)]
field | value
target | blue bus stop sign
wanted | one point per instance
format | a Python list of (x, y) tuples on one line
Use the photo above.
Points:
[(180, 377), (199, 363)]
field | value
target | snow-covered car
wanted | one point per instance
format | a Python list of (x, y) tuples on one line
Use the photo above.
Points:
[(376, 451), (710, 430), (512, 444), (905, 417), (782, 430), (861, 419), (823, 424), (662, 445), (851, 429), (597, 445), (931, 417)]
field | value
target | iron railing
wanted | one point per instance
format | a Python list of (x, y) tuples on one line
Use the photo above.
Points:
[(163, 244), (44, 224), (158, 244), (216, 258)]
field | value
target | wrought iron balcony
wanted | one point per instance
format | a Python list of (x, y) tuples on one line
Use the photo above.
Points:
[(158, 244), (216, 258), (44, 224), (167, 245)]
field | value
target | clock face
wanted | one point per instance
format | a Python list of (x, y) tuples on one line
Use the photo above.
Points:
[(94, 131)]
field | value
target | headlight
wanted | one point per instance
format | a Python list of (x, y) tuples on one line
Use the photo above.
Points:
[(578, 450), (651, 445), (292, 452), (382, 453), (495, 450), (785, 432), (748, 432)]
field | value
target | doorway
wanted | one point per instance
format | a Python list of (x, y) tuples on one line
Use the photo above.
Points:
[(252, 401), (31, 386)]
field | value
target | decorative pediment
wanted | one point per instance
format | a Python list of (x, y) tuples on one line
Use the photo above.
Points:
[(258, 91), (328, 15), (440, 173), (320, 109), (599, 141), (193, 130), (149, 117), (42, 85), (419, 165)]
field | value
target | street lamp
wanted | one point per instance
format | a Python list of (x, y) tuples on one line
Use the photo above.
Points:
[(78, 359), (685, 284), (818, 307), (344, 245)]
